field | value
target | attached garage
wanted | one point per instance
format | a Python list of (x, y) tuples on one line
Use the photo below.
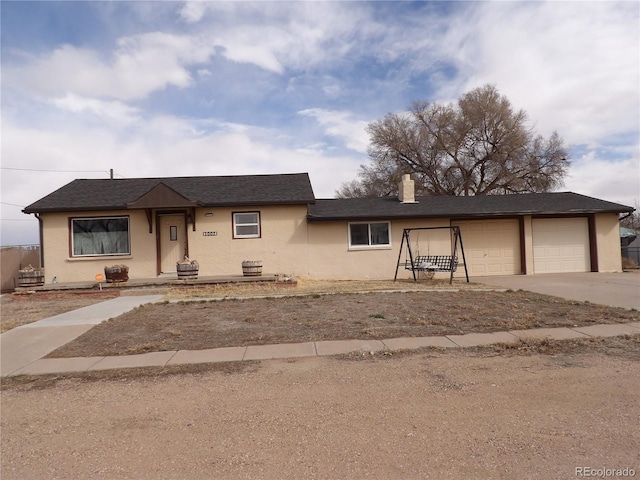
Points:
[(561, 245), (491, 247)]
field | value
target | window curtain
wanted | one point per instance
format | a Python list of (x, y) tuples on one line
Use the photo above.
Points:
[(101, 236)]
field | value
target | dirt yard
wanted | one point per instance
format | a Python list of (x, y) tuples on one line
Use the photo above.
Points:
[(202, 325), (461, 414), (21, 309), (535, 410)]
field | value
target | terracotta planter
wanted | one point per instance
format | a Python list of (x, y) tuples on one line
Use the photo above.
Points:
[(116, 274)]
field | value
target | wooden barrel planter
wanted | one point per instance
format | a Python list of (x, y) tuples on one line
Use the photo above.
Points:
[(252, 268), (187, 271), (116, 274), (31, 277)]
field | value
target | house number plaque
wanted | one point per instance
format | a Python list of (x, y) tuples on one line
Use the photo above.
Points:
[(209, 234)]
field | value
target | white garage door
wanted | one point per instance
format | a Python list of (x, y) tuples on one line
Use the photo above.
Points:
[(492, 247), (561, 245)]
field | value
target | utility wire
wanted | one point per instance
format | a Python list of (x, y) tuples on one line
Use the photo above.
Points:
[(57, 171), (12, 204)]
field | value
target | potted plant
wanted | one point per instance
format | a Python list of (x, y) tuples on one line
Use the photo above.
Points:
[(116, 273), (187, 269), (30, 276), (252, 268)]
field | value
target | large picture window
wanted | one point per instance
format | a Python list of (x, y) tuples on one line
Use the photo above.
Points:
[(369, 235), (246, 225), (100, 236)]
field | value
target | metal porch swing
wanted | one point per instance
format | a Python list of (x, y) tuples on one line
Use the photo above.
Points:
[(431, 263)]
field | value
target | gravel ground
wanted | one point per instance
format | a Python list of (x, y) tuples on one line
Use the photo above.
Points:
[(428, 415)]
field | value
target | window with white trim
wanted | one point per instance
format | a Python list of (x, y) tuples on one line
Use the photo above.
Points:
[(100, 236), (363, 235), (246, 225)]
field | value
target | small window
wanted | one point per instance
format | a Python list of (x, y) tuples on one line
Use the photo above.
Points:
[(246, 225), (173, 233), (369, 234), (100, 236)]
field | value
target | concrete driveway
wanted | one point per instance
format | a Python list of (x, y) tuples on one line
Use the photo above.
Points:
[(613, 289)]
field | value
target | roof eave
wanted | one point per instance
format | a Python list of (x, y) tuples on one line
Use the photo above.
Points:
[(358, 218), (196, 204)]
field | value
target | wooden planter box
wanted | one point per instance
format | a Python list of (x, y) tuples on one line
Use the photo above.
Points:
[(31, 277), (116, 274), (187, 271), (252, 268)]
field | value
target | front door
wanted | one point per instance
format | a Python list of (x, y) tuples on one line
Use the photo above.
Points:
[(173, 241)]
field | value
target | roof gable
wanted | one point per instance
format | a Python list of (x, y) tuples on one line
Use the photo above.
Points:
[(162, 196)]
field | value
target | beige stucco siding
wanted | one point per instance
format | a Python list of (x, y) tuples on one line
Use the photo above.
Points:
[(331, 258), (288, 244), (58, 262), (282, 246), (608, 242)]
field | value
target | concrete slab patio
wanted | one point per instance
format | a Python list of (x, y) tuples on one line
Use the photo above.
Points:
[(611, 289)]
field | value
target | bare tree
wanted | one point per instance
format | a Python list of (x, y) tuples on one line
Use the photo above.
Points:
[(632, 220), (479, 146)]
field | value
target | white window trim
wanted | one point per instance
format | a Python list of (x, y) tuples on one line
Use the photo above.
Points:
[(253, 235), (387, 246), (100, 255)]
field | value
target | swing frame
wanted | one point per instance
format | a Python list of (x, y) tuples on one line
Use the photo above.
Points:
[(453, 262)]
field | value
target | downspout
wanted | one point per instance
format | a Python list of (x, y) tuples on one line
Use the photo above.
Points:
[(41, 238)]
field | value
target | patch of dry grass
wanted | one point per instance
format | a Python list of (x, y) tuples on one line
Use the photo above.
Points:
[(311, 287), (226, 323)]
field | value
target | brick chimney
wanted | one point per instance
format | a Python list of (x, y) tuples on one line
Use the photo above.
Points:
[(407, 190)]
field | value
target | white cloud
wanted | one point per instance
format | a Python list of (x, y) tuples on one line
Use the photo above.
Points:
[(252, 50), (114, 111), (193, 11), (601, 178), (160, 145), (573, 66), (280, 36), (341, 125), (141, 64)]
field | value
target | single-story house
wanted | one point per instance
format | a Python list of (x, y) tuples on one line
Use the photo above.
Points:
[(150, 224)]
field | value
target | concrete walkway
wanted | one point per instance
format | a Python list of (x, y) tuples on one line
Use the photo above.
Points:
[(24, 347)]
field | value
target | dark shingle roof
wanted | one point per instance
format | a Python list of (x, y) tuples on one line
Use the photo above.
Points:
[(461, 207), (106, 194)]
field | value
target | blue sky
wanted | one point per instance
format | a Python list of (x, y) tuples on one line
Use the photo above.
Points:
[(232, 88)]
